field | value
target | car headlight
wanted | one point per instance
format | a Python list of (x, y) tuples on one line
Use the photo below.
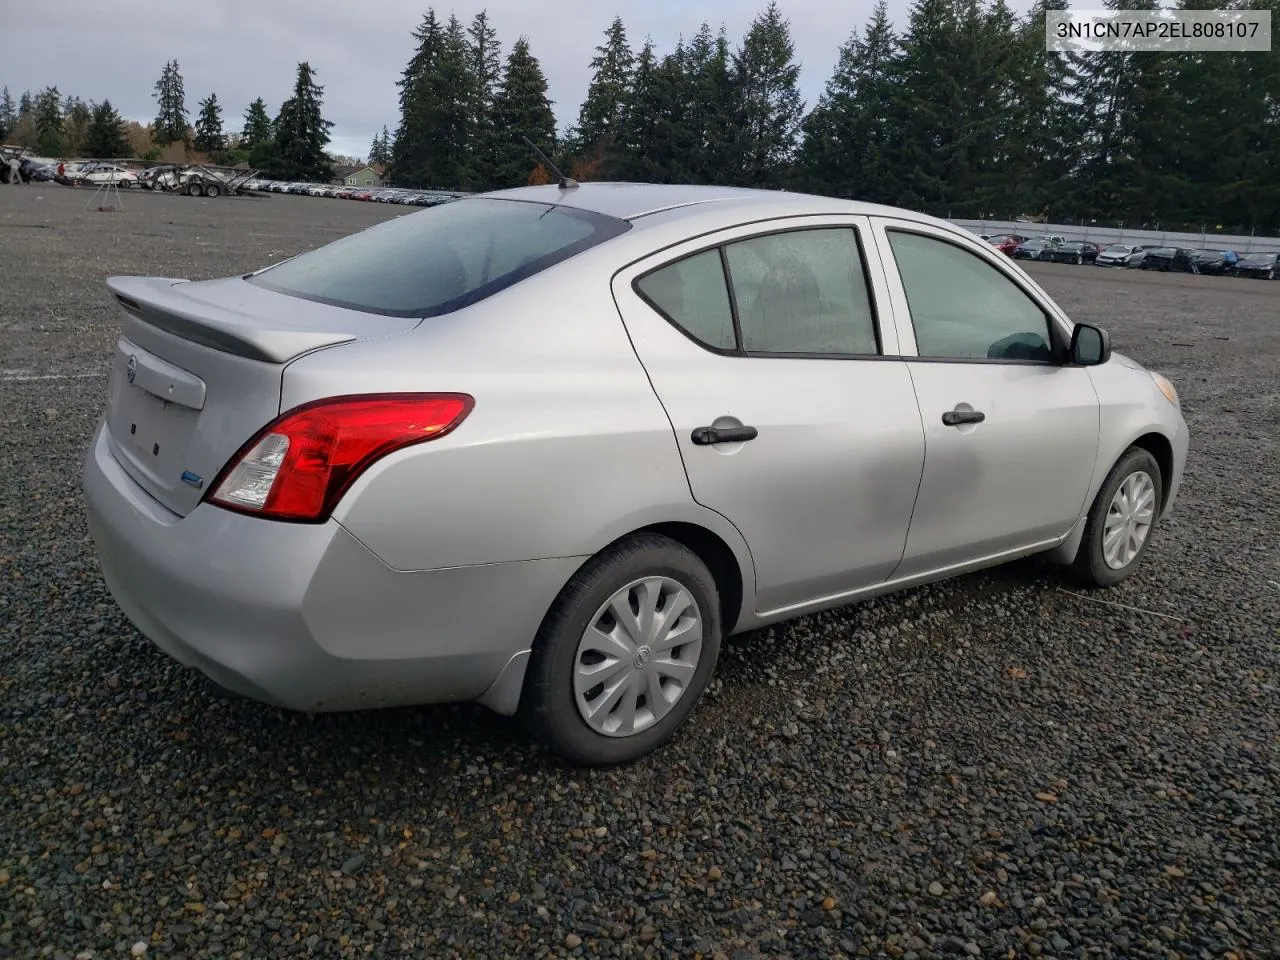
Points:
[(1170, 392)]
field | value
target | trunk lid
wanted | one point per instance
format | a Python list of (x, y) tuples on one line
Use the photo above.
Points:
[(197, 371)]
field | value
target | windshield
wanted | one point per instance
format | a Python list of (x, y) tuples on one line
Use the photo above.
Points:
[(440, 259), (1117, 248)]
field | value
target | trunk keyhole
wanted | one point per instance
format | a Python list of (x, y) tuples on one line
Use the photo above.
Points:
[(133, 428), (155, 450)]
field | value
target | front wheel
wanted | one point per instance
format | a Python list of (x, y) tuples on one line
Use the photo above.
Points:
[(1119, 525), (624, 653)]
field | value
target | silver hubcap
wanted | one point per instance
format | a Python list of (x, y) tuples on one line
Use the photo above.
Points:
[(638, 656), (1129, 519)]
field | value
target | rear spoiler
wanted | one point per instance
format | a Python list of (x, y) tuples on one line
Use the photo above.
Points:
[(161, 302)]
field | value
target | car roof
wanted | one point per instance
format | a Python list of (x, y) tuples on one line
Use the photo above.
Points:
[(636, 201)]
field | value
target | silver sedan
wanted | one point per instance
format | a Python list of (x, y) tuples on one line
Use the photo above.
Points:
[(545, 448)]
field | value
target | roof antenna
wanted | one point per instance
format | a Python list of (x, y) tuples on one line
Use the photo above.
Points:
[(565, 182)]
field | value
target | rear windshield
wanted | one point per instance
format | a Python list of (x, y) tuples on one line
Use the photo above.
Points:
[(440, 259)]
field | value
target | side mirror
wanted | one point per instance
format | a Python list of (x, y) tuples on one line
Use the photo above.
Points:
[(1090, 345)]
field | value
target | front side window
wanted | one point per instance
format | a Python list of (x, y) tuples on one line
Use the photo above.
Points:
[(440, 259), (963, 308)]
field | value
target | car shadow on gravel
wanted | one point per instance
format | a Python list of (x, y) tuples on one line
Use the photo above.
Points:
[(428, 739)]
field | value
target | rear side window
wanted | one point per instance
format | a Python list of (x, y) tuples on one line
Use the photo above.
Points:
[(802, 292), (693, 295), (440, 259)]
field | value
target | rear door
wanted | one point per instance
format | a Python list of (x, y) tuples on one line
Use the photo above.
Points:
[(794, 417), (1011, 432)]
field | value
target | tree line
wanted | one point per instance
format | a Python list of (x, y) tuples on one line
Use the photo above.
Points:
[(290, 146), (959, 111)]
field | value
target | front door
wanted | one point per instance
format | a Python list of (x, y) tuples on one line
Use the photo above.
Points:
[(793, 417), (1011, 430)]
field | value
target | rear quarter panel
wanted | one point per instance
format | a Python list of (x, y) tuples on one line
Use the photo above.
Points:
[(567, 447)]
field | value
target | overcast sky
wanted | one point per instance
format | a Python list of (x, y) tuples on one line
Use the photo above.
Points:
[(242, 50)]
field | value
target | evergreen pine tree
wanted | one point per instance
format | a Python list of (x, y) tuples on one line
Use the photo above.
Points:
[(935, 107), (26, 103), (48, 113), (849, 138), (712, 120), (655, 138), (171, 124), (612, 68), (411, 153), (380, 149), (1044, 124), (209, 137), (8, 114), (302, 133), (486, 73), (76, 116), (257, 124), (769, 104), (106, 137), (521, 109)]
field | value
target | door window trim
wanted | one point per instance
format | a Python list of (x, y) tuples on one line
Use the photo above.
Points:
[(1059, 326), (861, 230)]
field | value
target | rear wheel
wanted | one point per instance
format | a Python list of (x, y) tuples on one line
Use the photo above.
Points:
[(195, 189), (212, 190), (624, 654), (1119, 525), (1079, 259)]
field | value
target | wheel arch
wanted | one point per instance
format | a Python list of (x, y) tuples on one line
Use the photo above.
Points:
[(1158, 445), (719, 558), (506, 692)]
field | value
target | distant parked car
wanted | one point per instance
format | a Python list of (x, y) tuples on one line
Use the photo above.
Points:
[(1078, 251), (33, 170), (1006, 243), (1260, 266), (1216, 262), (160, 177), (97, 174), (1167, 259), (1122, 255), (1033, 249)]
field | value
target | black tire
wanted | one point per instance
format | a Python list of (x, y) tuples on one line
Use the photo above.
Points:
[(1090, 567), (195, 189), (212, 190), (548, 706)]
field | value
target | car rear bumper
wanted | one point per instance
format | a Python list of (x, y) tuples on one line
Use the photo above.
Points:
[(304, 616)]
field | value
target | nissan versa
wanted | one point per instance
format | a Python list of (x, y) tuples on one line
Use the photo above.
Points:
[(545, 448)]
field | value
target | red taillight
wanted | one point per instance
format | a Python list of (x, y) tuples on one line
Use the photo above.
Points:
[(299, 466)]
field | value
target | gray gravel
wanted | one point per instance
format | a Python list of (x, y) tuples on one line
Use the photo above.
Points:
[(989, 767)]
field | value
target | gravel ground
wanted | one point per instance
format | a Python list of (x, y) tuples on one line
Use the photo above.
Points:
[(988, 767)]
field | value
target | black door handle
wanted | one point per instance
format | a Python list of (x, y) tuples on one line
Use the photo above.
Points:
[(954, 418), (705, 436)]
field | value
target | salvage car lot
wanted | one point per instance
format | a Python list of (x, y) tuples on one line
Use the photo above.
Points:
[(987, 764)]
